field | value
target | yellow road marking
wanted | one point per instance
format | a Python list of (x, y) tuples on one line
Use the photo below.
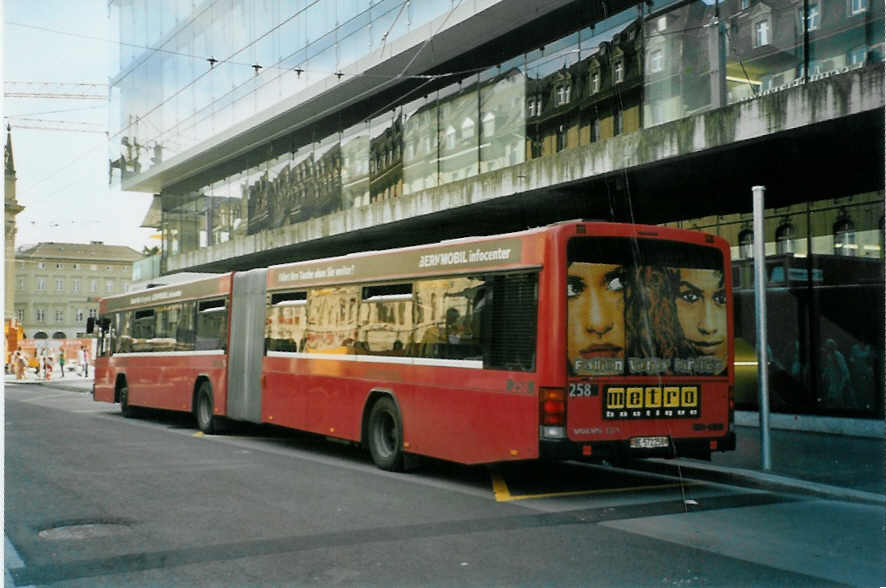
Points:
[(503, 493), (198, 434)]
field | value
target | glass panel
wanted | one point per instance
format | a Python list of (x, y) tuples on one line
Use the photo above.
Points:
[(355, 166), (327, 155), (458, 110), (843, 35), (258, 192), (332, 319), (280, 188), (301, 198), (420, 145), (286, 322), (764, 47), (386, 156), (502, 121)]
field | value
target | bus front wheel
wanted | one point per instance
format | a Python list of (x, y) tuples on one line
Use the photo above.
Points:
[(206, 422), (386, 435)]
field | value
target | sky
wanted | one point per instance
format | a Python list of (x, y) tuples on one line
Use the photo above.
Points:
[(63, 175)]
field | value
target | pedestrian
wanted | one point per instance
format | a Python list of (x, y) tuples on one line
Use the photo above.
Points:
[(84, 361), (18, 364), (61, 361)]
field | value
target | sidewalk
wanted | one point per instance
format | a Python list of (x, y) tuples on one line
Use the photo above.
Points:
[(830, 466), (836, 466)]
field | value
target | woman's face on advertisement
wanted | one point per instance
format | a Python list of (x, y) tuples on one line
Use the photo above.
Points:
[(595, 294), (701, 311)]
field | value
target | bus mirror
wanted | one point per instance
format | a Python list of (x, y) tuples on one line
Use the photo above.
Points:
[(90, 325)]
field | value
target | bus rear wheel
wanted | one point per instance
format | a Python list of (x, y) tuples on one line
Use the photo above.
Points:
[(206, 422), (125, 409), (385, 434)]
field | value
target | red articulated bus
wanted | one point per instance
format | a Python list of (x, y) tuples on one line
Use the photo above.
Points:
[(580, 340)]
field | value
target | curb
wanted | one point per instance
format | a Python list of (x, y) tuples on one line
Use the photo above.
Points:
[(756, 479)]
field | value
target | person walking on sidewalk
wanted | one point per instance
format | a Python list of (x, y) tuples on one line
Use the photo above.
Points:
[(83, 357), (61, 362)]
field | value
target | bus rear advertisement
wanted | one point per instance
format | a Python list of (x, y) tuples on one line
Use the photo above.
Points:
[(580, 340)]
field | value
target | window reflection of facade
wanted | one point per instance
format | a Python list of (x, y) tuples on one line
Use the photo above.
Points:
[(844, 235), (784, 237)]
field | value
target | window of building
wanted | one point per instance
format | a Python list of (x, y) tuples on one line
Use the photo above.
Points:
[(59, 285), (744, 4), (761, 33), (108, 268), (75, 286), (563, 94), (618, 122), (39, 314), (784, 237), (76, 266), (59, 266), (561, 137), (595, 82), (41, 265), (858, 55), (59, 316), (20, 315), (857, 6), (467, 128), (595, 130), (662, 23), (450, 137), (844, 235), (619, 71), (80, 315), (488, 124), (92, 313), (20, 284), (746, 243), (813, 17), (93, 267), (109, 286), (41, 283), (656, 61)]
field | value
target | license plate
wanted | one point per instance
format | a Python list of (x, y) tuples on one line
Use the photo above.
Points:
[(649, 442)]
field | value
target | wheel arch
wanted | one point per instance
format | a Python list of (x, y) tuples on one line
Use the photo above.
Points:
[(119, 382), (374, 396), (198, 381)]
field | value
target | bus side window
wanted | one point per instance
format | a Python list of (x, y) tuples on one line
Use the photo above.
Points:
[(212, 325)]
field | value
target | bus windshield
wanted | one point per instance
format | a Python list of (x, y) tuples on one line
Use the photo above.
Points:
[(645, 307)]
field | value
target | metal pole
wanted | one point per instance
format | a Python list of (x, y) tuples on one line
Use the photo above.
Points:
[(762, 339)]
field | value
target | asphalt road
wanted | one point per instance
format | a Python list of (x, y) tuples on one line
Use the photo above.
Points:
[(93, 499)]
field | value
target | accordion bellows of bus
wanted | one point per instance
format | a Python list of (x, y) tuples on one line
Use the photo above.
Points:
[(580, 340)]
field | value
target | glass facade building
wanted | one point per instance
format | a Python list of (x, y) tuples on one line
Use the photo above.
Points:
[(192, 74)]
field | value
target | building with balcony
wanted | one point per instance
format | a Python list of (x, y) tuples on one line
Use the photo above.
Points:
[(58, 285), (275, 132)]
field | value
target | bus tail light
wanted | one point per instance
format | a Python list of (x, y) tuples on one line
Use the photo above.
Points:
[(553, 412)]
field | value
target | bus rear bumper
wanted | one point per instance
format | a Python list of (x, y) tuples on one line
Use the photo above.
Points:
[(621, 450)]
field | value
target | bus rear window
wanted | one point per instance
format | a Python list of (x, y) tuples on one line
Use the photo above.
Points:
[(645, 307)]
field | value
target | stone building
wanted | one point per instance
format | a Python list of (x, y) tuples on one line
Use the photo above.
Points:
[(58, 285)]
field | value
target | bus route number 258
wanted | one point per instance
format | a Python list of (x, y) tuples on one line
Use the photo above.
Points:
[(582, 390)]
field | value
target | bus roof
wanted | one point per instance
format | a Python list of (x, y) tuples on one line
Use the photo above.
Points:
[(204, 287)]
